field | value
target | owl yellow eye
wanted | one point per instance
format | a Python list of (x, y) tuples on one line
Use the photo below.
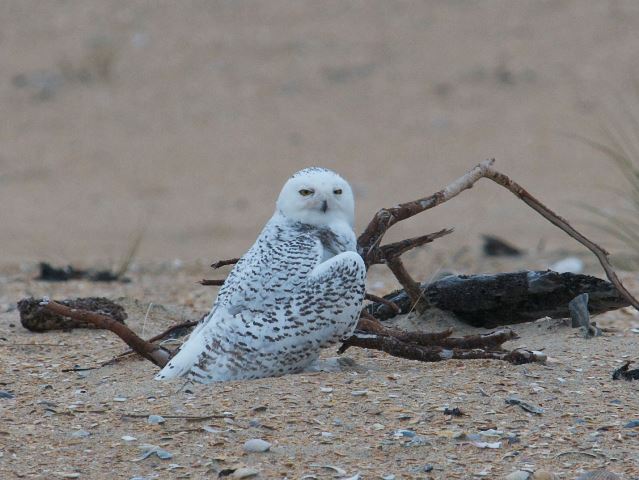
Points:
[(305, 192), (337, 191)]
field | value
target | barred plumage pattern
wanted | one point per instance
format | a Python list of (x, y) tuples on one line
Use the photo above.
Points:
[(299, 288)]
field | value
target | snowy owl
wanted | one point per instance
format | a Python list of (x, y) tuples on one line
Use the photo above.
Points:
[(299, 288)]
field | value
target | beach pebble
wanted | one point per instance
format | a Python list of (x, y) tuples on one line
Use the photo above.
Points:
[(80, 434), (128, 438), (257, 445), (359, 393), (155, 419), (632, 424), (518, 475)]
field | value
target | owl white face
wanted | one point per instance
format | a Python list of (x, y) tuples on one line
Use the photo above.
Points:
[(317, 196)]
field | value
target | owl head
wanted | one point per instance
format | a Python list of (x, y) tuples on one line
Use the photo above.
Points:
[(317, 196)]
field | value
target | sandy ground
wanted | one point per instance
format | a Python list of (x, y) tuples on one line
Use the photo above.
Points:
[(77, 425), (179, 121)]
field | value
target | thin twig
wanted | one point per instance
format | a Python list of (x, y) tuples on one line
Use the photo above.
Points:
[(210, 282), (412, 288), (172, 329), (392, 305), (223, 263), (189, 418), (392, 250), (552, 217)]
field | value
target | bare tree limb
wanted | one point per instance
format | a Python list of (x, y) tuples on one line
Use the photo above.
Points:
[(155, 353), (368, 242), (387, 217)]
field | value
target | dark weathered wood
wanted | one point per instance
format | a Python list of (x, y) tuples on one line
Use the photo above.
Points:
[(436, 353), (151, 351), (37, 319), (508, 298)]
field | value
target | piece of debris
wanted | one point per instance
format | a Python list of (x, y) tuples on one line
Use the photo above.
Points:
[(496, 247), (38, 319), (524, 405), (622, 373), (404, 433), (5, 394), (49, 273), (491, 300), (148, 450), (568, 265), (580, 316), (455, 412)]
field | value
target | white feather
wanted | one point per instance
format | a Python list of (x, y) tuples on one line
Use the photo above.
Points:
[(299, 288)]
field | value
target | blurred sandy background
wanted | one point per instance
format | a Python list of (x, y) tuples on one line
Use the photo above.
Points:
[(183, 119)]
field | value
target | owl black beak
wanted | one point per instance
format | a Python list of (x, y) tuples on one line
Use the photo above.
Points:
[(324, 206)]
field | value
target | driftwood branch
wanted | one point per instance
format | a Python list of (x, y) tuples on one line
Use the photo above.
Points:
[(394, 250), (371, 334), (368, 242), (435, 353), (151, 351)]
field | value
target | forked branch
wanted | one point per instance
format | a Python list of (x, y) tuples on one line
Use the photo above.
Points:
[(368, 242)]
